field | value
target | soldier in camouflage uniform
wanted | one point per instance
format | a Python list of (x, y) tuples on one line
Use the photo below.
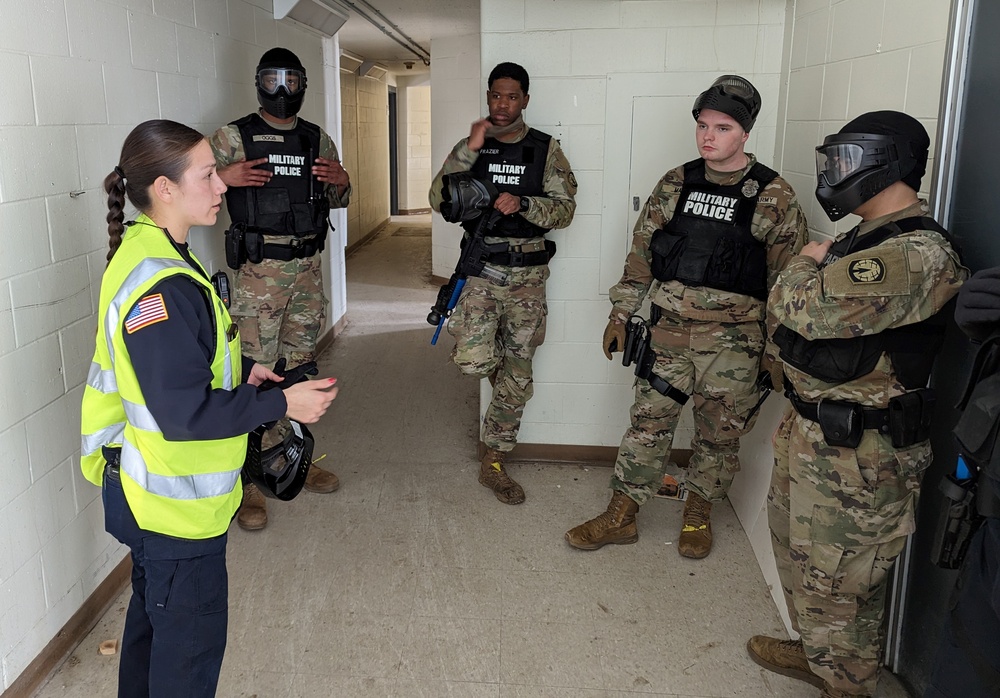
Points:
[(283, 174), (858, 324), (497, 328), (708, 244)]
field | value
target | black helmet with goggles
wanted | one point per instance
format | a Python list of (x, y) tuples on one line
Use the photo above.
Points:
[(280, 470), (870, 153), (732, 95), (281, 83)]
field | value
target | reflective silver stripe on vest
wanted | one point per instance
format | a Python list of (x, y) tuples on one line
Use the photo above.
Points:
[(199, 486), (140, 417), (90, 443), (102, 381), (143, 272)]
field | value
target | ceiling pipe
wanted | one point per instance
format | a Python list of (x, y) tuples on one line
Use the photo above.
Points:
[(422, 54)]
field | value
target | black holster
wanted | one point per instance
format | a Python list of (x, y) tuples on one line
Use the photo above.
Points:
[(638, 335), (243, 244), (959, 522)]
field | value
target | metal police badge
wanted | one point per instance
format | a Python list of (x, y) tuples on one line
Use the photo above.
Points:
[(750, 188), (867, 271)]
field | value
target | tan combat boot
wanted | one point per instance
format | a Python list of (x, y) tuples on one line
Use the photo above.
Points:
[(696, 534), (321, 481), (616, 525), (785, 657), (252, 515), (493, 475)]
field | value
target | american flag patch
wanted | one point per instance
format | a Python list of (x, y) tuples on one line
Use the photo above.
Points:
[(148, 311)]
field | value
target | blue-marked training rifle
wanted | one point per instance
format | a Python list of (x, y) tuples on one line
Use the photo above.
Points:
[(465, 199)]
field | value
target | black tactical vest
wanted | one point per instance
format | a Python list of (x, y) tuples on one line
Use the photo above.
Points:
[(518, 168), (293, 202), (911, 348), (708, 240)]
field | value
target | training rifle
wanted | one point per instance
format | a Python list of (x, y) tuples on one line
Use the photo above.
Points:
[(464, 198)]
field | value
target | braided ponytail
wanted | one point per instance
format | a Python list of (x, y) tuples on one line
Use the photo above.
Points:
[(156, 148), (114, 185)]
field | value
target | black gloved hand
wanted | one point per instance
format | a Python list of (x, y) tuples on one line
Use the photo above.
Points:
[(978, 308)]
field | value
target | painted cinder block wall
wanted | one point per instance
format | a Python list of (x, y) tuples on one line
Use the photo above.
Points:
[(81, 74)]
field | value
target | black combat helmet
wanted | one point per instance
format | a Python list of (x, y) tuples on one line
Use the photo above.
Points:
[(464, 198), (866, 156), (732, 95), (280, 471), (281, 83)]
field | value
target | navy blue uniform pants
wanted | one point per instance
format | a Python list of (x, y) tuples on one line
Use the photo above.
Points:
[(175, 627), (967, 664)]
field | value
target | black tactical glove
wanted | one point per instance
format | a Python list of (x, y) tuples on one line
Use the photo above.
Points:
[(978, 309)]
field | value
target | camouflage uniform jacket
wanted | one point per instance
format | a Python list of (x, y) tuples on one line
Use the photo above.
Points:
[(553, 210), (922, 273), (227, 146), (778, 222)]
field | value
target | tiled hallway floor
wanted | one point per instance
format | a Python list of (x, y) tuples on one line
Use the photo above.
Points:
[(413, 580)]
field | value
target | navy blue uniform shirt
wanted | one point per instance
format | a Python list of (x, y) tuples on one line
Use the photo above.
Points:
[(172, 358)]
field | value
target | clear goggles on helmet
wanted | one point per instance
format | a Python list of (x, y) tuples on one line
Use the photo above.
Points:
[(837, 161), (270, 80), (735, 87)]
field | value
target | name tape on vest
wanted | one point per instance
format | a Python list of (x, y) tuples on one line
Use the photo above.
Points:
[(268, 138)]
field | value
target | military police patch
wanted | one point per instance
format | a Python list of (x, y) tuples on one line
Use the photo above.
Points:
[(750, 188), (870, 270)]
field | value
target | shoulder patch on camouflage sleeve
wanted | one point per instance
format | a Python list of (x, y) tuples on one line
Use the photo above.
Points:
[(878, 272), (870, 270)]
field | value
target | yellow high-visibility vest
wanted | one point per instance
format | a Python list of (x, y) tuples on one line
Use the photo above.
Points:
[(185, 489)]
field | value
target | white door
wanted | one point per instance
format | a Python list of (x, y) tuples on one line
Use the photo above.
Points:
[(662, 138)]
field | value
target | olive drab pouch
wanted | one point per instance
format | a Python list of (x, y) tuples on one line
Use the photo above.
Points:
[(842, 423), (910, 417)]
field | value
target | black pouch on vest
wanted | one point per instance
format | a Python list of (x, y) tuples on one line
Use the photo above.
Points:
[(910, 417), (236, 251), (254, 243), (843, 423), (666, 249)]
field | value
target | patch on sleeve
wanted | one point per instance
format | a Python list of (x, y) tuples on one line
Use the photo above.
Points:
[(880, 271), (867, 271), (148, 311)]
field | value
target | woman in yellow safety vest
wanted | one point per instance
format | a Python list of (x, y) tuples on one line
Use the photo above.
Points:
[(167, 407)]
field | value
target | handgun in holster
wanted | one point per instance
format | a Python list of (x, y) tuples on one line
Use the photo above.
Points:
[(636, 340), (638, 351), (959, 521), (243, 244)]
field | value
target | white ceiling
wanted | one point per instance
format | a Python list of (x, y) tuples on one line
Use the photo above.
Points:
[(421, 20)]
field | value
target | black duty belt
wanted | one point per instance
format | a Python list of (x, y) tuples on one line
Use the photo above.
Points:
[(531, 254), (877, 419), (299, 248)]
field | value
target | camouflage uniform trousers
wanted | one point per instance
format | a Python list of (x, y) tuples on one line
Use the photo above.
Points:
[(839, 518), (279, 308), (716, 363), (498, 328)]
